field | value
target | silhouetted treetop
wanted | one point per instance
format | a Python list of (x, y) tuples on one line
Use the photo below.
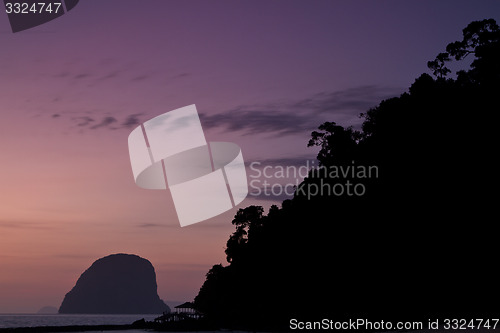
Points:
[(480, 38), (248, 216), (438, 65), (338, 144)]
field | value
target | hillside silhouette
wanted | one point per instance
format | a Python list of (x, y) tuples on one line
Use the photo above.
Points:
[(116, 284), (420, 243)]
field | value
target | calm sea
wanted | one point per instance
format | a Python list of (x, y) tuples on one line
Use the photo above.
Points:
[(37, 320), (32, 320)]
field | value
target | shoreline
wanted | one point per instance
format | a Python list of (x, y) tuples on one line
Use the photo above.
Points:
[(138, 326), (104, 328), (71, 328)]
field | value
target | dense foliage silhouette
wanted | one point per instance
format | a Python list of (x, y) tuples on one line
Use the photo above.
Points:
[(420, 243)]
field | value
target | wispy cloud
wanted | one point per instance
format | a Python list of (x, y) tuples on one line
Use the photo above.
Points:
[(24, 225), (152, 225), (81, 76), (131, 120), (83, 121), (357, 99), (292, 116), (285, 117), (105, 122), (111, 75), (256, 119)]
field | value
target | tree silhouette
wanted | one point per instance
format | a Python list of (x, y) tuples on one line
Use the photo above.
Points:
[(245, 220), (419, 244), (480, 38), (438, 65), (338, 144)]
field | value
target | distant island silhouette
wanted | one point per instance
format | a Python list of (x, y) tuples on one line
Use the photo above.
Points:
[(47, 310), (116, 284)]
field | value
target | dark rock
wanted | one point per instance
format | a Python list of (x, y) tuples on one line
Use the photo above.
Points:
[(139, 323), (116, 284)]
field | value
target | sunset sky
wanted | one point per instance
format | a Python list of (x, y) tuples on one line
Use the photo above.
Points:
[(262, 73)]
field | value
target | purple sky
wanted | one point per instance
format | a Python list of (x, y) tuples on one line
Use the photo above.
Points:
[(263, 74)]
